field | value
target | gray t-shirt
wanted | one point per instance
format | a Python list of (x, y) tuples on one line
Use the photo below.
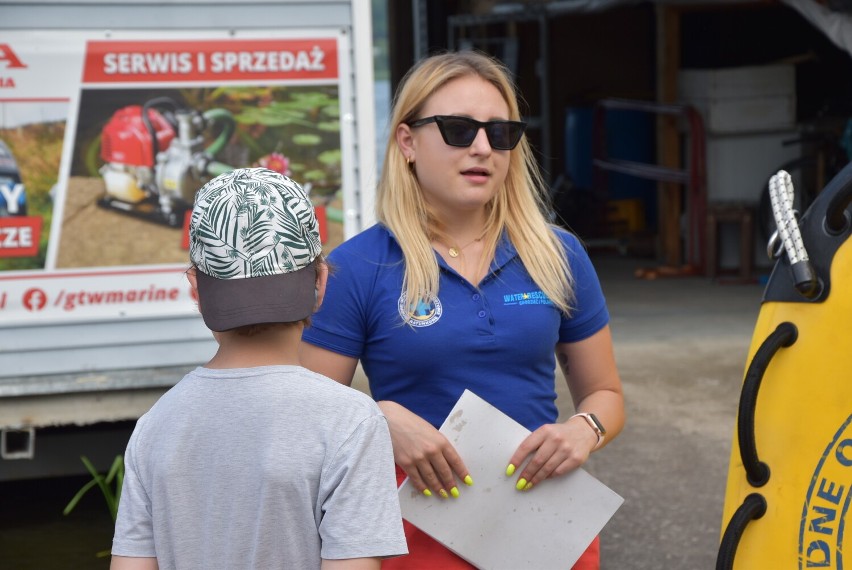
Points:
[(268, 467)]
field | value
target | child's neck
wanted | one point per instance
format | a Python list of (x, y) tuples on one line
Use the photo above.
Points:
[(273, 347)]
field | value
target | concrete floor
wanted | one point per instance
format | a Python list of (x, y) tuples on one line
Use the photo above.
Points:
[(681, 346)]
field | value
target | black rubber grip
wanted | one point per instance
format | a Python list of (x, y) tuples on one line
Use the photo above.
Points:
[(753, 507), (784, 335)]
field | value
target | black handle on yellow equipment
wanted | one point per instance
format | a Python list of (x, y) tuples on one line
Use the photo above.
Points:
[(753, 507), (757, 472), (784, 335)]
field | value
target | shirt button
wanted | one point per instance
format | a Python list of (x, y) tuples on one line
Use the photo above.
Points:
[(481, 314), (475, 297)]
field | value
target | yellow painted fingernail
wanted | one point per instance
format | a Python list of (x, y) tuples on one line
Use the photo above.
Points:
[(427, 492), (455, 492), (528, 486), (468, 480), (521, 484), (443, 493), (509, 470)]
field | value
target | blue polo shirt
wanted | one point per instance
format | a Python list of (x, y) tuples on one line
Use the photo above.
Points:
[(497, 340)]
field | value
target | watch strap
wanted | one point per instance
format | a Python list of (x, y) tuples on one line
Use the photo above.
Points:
[(594, 424)]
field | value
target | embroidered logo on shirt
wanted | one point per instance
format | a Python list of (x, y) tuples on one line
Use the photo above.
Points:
[(529, 298), (420, 314)]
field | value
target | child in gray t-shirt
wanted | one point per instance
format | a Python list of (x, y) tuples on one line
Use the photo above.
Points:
[(252, 461)]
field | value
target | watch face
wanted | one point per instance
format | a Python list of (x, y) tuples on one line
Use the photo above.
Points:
[(597, 423)]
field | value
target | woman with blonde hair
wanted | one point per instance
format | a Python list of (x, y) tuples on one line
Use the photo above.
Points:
[(465, 284)]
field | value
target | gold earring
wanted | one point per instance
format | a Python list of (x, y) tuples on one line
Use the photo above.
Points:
[(408, 160)]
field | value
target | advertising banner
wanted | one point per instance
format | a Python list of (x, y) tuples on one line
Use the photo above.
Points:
[(106, 137)]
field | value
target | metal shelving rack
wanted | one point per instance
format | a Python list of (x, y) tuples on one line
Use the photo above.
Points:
[(693, 177)]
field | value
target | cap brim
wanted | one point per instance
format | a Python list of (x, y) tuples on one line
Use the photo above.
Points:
[(226, 304)]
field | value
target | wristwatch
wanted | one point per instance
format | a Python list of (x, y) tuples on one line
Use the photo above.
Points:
[(595, 424)]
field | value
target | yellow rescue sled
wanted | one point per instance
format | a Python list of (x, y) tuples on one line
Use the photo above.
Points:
[(790, 473)]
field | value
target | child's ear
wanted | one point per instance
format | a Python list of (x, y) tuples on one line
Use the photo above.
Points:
[(193, 284), (193, 280), (322, 280)]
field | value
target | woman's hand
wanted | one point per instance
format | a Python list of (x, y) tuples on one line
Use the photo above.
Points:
[(423, 452), (556, 449)]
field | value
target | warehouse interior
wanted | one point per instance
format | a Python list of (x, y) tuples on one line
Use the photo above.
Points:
[(658, 124)]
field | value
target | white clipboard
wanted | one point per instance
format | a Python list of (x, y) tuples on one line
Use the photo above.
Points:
[(492, 525)]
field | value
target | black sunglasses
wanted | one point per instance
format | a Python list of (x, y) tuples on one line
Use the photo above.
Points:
[(460, 131)]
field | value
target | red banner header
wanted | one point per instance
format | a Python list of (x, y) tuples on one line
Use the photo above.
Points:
[(19, 236), (209, 60)]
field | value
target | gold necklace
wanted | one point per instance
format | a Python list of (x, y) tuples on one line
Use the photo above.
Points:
[(454, 251)]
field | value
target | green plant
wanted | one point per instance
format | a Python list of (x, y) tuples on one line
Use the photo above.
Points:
[(109, 484)]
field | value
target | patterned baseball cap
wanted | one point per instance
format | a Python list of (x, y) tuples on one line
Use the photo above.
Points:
[(253, 237)]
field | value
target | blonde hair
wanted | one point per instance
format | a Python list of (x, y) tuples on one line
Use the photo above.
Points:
[(518, 207)]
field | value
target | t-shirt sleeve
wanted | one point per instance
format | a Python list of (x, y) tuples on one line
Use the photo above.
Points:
[(340, 325), (590, 313), (134, 525), (360, 502)]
